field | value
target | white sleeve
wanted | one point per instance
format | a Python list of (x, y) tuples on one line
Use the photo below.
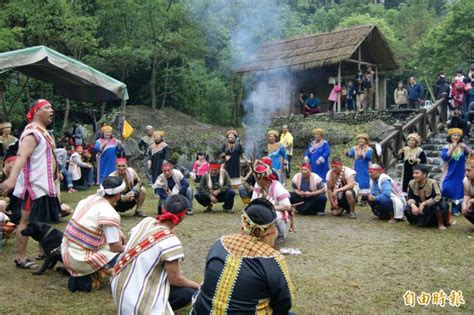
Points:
[(112, 233)]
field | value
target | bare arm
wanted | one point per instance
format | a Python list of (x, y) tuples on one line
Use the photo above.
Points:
[(350, 184), (27, 146), (176, 278)]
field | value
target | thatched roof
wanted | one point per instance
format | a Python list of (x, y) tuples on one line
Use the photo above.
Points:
[(322, 49)]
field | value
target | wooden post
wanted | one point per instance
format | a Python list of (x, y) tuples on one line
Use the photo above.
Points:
[(239, 100), (443, 114), (399, 140), (422, 127), (66, 114), (377, 98), (339, 83)]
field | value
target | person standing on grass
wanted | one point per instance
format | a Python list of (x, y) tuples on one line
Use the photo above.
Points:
[(317, 154), (107, 148), (362, 155), (425, 205), (276, 152), (342, 188), (385, 199), (454, 156), (35, 176), (232, 150), (158, 153), (286, 139), (147, 278)]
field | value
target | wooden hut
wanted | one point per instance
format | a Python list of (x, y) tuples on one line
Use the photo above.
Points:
[(312, 62)]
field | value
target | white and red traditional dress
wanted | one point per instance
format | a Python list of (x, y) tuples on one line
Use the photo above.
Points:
[(85, 248), (36, 184)]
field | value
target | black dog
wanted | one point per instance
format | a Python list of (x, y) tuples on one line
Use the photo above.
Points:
[(49, 239)]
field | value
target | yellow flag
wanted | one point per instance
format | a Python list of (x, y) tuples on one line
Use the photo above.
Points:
[(127, 130)]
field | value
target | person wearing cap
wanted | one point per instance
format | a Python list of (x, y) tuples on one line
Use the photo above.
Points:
[(317, 154), (267, 186), (6, 139), (107, 149), (172, 182), (75, 165), (134, 193), (308, 188), (147, 278), (286, 139), (386, 198), (411, 155), (9, 204), (232, 150), (244, 273), (454, 156), (341, 188), (215, 186), (468, 199), (276, 152), (362, 155), (158, 152), (35, 176), (425, 205), (92, 238)]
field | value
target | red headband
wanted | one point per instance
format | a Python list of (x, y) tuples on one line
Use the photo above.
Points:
[(377, 169), (267, 161), (215, 166), (336, 164), (306, 165), (174, 217), (31, 112), (10, 158), (122, 160)]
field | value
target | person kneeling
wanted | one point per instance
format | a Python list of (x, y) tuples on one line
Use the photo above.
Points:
[(342, 188), (215, 187), (386, 198), (134, 193), (172, 182), (92, 238), (426, 206), (244, 273), (147, 278), (309, 190)]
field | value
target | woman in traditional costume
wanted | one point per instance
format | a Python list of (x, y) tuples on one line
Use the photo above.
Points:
[(454, 155), (411, 155), (158, 152), (107, 148), (268, 187), (317, 154), (232, 151), (277, 152), (362, 155), (244, 273)]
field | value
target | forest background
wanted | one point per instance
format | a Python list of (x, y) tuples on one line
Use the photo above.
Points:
[(182, 53)]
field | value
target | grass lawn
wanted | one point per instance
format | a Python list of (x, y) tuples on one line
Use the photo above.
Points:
[(361, 266)]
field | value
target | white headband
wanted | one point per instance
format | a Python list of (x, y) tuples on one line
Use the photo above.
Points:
[(110, 191)]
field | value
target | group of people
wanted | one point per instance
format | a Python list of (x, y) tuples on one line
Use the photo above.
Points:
[(145, 269)]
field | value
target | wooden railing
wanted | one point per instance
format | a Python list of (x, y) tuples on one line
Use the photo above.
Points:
[(426, 123)]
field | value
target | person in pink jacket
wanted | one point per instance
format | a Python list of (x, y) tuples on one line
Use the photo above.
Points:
[(333, 98)]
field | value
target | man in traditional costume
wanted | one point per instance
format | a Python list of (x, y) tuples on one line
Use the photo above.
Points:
[(317, 154), (268, 187), (362, 155), (385, 199), (215, 186), (147, 278), (310, 190), (158, 152), (468, 183), (143, 145), (246, 184), (244, 274), (412, 154), (286, 139), (276, 152), (107, 148), (342, 188), (454, 155), (134, 193), (92, 238), (425, 205), (35, 176), (231, 153), (172, 182)]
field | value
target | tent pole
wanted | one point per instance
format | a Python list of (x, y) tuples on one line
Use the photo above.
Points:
[(339, 83)]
